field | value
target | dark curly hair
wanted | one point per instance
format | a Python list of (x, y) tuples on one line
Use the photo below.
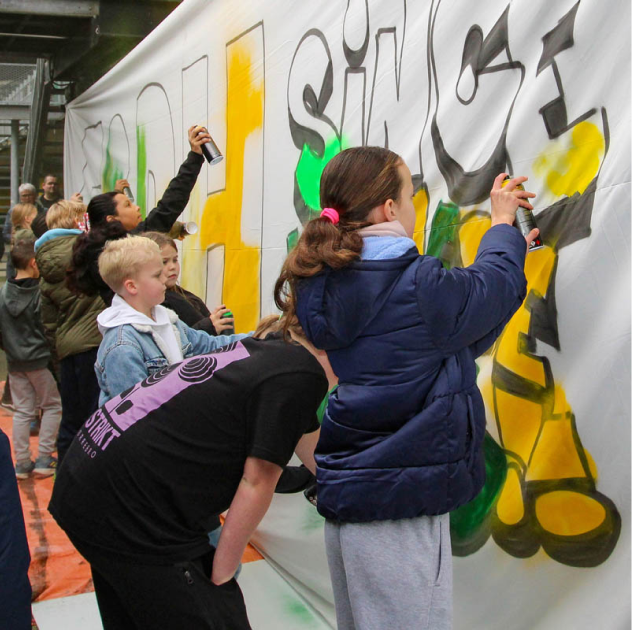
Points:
[(82, 276)]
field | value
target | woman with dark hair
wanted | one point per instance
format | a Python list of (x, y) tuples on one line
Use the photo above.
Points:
[(112, 215)]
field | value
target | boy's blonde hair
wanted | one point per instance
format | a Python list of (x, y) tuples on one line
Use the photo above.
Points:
[(123, 258), (21, 212), (65, 214)]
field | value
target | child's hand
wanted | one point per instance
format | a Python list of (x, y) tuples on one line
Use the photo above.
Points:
[(506, 199), (221, 324)]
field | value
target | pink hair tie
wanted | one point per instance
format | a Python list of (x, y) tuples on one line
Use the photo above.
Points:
[(331, 214)]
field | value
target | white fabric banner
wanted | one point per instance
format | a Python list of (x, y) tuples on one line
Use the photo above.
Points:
[(462, 91)]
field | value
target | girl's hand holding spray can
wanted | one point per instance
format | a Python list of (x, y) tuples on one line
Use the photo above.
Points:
[(525, 221)]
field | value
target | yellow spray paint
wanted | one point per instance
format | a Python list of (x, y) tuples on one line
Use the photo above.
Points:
[(222, 215), (535, 423), (569, 168), (420, 203)]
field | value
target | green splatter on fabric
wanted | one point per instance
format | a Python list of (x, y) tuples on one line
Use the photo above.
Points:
[(444, 241), (141, 169), (468, 524), (111, 172), (311, 520), (309, 169), (300, 612), (291, 240)]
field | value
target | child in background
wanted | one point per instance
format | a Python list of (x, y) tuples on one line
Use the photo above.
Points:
[(22, 216), (141, 337), (188, 306), (401, 439), (70, 320), (32, 384)]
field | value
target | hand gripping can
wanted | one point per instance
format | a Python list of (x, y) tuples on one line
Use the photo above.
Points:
[(525, 221), (228, 331)]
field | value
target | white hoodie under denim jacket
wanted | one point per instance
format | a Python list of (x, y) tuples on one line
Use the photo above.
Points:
[(135, 346)]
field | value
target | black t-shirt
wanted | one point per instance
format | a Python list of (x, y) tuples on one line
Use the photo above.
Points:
[(149, 472)]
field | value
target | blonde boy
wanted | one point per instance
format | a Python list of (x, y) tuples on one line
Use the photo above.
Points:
[(141, 337), (65, 215)]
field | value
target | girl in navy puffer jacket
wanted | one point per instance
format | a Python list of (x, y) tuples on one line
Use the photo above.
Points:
[(401, 440)]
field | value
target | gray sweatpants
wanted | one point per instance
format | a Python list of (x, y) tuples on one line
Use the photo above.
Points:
[(391, 575), (27, 388)]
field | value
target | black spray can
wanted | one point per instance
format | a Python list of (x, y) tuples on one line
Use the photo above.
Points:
[(525, 221), (228, 331)]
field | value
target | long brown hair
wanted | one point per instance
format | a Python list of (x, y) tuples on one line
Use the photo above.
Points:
[(353, 183)]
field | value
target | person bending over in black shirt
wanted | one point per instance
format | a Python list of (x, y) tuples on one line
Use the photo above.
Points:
[(152, 469)]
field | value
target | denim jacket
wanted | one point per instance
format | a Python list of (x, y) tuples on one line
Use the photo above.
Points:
[(130, 353)]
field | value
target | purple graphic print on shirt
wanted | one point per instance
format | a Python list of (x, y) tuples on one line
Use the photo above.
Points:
[(124, 410)]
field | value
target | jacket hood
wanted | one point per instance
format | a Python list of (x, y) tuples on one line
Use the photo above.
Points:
[(53, 234), (121, 313), (18, 297), (336, 306), (53, 252)]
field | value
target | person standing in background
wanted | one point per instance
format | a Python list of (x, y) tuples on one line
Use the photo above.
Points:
[(23, 339), (70, 321), (27, 194), (50, 194), (49, 197)]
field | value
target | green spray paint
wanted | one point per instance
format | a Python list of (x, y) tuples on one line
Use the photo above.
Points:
[(111, 172), (302, 616), (309, 169), (469, 524), (291, 240), (141, 170), (444, 235)]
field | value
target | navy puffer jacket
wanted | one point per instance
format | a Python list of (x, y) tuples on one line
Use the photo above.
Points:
[(402, 435)]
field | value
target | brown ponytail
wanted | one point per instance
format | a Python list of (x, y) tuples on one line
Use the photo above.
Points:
[(353, 183)]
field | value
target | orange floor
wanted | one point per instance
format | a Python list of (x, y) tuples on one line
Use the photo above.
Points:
[(57, 569)]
